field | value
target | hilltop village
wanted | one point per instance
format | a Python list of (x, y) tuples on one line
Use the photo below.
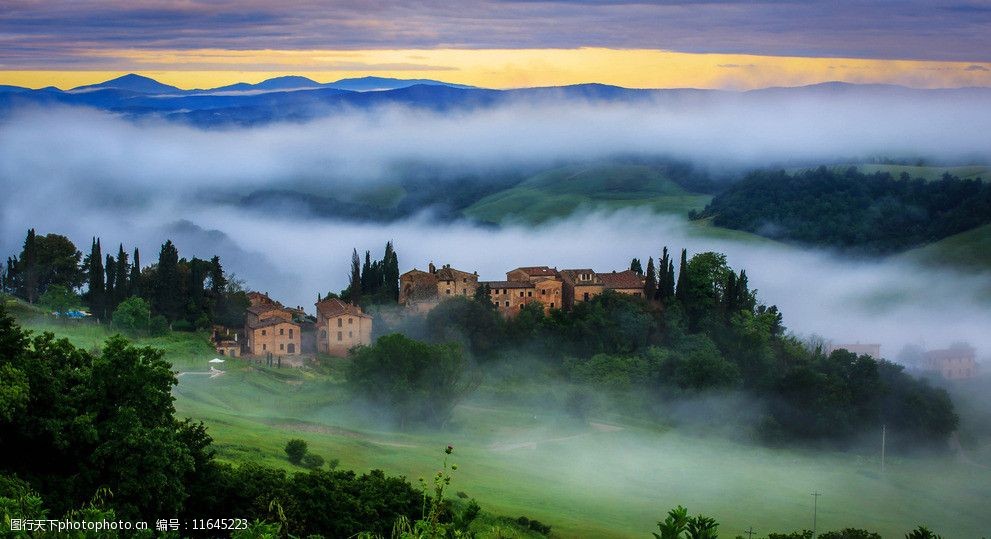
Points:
[(282, 335), (286, 336)]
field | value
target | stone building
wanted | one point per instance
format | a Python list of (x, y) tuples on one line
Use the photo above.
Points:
[(423, 290), (526, 285), (260, 298), (954, 363), (623, 282), (273, 334), (579, 285), (341, 326)]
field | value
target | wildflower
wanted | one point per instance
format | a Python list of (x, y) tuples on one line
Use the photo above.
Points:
[(449, 449)]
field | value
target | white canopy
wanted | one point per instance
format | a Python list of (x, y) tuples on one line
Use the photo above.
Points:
[(216, 360)]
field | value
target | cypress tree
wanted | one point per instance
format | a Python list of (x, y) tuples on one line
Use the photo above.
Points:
[(681, 293), (95, 293), (390, 272), (29, 269), (121, 280), (636, 266), (367, 278), (650, 286), (110, 269), (354, 288), (218, 282), (167, 290), (135, 278)]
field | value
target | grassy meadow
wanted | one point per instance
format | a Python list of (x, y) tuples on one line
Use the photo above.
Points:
[(613, 476), (560, 192)]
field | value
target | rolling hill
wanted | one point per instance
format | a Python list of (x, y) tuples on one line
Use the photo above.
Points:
[(970, 250), (560, 192)]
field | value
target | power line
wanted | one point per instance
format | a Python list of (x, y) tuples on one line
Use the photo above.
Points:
[(750, 532)]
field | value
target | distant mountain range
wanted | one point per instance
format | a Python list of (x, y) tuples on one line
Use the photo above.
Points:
[(294, 98)]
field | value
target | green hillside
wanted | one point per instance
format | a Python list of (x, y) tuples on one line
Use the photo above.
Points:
[(560, 192), (613, 476), (970, 250)]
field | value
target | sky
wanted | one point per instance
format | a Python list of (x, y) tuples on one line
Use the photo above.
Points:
[(730, 44)]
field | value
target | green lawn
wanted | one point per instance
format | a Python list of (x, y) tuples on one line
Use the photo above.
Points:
[(561, 192), (613, 477)]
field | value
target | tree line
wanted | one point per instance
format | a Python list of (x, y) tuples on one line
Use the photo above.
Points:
[(849, 210), (174, 292)]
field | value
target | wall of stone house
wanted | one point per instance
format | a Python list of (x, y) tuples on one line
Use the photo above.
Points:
[(550, 292), (510, 302), (276, 340), (340, 333), (416, 287), (463, 286), (251, 318)]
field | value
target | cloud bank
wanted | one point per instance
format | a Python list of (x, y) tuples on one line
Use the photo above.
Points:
[(89, 174)]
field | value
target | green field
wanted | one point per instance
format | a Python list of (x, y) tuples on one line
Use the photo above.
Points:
[(970, 250), (612, 477), (929, 173), (563, 191)]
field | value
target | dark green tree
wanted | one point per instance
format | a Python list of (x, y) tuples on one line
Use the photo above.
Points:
[(416, 381), (650, 283), (96, 292), (636, 266), (167, 298), (296, 450)]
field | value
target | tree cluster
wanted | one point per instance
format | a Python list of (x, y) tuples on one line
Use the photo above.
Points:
[(704, 331), (374, 281), (850, 210), (96, 435), (184, 293)]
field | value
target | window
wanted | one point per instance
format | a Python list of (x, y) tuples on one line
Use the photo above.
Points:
[(323, 333), (448, 291), (340, 335), (529, 294), (264, 347), (507, 304), (350, 321), (350, 334), (521, 293), (586, 296), (504, 291), (552, 305), (282, 346), (340, 322), (543, 292), (282, 331), (290, 333), (464, 280), (464, 292), (263, 333)]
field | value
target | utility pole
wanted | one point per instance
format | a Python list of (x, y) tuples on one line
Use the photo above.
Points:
[(815, 510), (750, 532), (883, 428)]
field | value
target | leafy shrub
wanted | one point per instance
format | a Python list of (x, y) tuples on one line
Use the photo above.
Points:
[(296, 450), (312, 461)]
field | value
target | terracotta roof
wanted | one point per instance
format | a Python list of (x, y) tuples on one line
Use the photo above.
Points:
[(261, 309), (414, 271), (271, 321), (622, 279), (536, 271), (508, 284), (448, 273), (332, 307)]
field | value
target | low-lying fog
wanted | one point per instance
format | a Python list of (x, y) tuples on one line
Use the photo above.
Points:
[(86, 174)]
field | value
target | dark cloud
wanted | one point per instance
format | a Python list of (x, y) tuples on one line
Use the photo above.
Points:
[(59, 33)]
